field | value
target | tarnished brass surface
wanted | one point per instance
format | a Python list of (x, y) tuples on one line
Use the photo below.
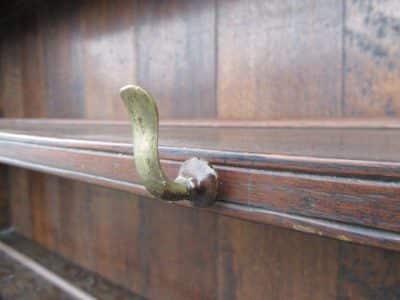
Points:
[(197, 180)]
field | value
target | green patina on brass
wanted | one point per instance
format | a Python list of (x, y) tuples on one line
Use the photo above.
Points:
[(144, 117), (197, 180)]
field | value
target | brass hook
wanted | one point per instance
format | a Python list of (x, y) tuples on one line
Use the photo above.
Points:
[(197, 179)]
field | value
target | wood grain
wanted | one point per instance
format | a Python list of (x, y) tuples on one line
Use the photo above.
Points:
[(174, 252), (372, 49), (62, 59), (362, 149), (176, 57), (20, 201), (33, 81), (222, 59), (109, 60), (205, 59), (279, 59), (11, 79), (357, 201), (4, 197)]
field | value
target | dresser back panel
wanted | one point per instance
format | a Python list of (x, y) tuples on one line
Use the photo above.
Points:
[(204, 59), (213, 59)]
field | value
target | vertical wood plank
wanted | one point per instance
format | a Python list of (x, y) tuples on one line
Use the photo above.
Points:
[(33, 83), (181, 251), (74, 235), (63, 58), (20, 202), (372, 45), (113, 239), (160, 250), (279, 59), (108, 48), (274, 59), (51, 214), (361, 274), (11, 94), (2, 78), (36, 194), (4, 197), (5, 211), (262, 262), (175, 43)]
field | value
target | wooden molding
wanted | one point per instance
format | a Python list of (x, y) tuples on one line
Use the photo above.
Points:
[(348, 199)]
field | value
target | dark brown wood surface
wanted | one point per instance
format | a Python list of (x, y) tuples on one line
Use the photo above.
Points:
[(4, 197), (264, 67), (204, 59), (360, 141), (264, 60), (255, 187), (370, 58), (166, 251)]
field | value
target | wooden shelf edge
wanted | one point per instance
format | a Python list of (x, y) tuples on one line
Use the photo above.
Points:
[(291, 163), (212, 123), (281, 207)]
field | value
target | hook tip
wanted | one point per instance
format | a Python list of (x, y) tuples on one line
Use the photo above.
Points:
[(132, 91), (129, 88)]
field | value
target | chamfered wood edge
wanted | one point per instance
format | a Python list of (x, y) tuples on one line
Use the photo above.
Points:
[(211, 123), (323, 227), (383, 170)]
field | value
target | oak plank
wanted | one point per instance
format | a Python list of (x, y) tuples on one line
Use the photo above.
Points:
[(372, 49), (109, 61), (4, 197), (246, 258), (279, 59), (176, 58), (63, 59), (20, 201)]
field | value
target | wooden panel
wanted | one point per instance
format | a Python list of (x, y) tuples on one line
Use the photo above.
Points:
[(33, 83), (250, 254), (184, 266), (372, 51), (62, 58), (83, 52), (108, 46), (20, 201), (176, 55), (11, 79), (279, 59), (341, 185), (4, 197), (270, 59), (119, 255), (271, 197), (126, 246), (359, 275), (166, 251)]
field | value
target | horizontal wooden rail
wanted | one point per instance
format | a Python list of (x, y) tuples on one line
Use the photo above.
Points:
[(347, 199)]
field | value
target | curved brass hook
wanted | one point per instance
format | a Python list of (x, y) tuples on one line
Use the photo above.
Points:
[(197, 180)]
